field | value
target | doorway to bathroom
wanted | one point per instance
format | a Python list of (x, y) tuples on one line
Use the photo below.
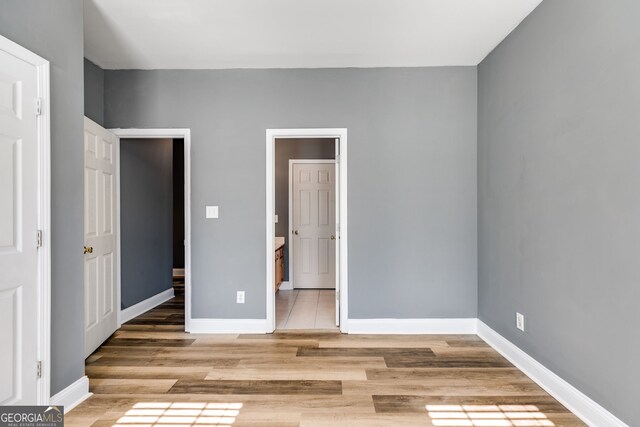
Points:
[(306, 240), (309, 298)]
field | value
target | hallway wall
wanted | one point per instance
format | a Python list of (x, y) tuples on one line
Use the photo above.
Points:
[(146, 212)]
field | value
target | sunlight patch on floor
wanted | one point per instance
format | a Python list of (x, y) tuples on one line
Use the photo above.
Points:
[(180, 414), (487, 416)]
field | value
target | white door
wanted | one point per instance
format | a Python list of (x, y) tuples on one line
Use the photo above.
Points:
[(313, 234), (100, 316), (18, 231), (337, 229)]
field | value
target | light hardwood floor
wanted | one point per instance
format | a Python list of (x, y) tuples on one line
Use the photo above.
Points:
[(151, 373)]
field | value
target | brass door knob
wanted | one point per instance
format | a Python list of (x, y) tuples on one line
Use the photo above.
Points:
[(88, 250), (295, 232), (333, 237)]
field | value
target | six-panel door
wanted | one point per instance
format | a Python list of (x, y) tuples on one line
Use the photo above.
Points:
[(18, 232), (313, 235), (99, 235)]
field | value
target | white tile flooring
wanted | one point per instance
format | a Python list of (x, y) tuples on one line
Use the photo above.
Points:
[(306, 309)]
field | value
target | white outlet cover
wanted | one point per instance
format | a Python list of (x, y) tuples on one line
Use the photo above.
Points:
[(276, 219), (211, 212), (240, 297)]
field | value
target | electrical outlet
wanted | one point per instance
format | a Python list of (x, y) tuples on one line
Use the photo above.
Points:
[(276, 218), (240, 297), (520, 321)]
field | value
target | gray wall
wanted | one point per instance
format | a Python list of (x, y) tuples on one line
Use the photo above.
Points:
[(93, 92), (412, 177), (146, 212), (287, 149), (559, 194), (54, 31)]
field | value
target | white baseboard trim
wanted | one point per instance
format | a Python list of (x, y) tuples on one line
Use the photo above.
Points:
[(286, 286), (227, 326), (413, 326), (144, 306), (178, 272), (577, 402), (73, 395)]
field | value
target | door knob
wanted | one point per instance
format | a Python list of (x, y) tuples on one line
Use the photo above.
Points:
[(88, 250), (333, 237), (295, 232)]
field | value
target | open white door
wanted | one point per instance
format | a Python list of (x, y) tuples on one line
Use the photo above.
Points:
[(19, 266), (337, 231), (100, 224)]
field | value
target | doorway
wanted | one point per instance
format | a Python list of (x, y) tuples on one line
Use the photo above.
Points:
[(306, 228), (141, 211), (179, 262), (152, 231), (310, 292)]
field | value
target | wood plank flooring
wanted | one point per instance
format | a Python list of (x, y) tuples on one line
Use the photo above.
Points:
[(151, 373)]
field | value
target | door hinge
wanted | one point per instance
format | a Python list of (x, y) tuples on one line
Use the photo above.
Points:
[(39, 369), (38, 106), (39, 238)]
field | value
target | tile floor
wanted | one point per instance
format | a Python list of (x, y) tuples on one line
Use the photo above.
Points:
[(306, 309)]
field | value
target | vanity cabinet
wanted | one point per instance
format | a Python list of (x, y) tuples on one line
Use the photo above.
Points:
[(279, 267)]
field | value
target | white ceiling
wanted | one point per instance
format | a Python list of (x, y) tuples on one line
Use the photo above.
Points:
[(201, 34)]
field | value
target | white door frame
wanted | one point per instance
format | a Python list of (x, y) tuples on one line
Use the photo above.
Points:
[(291, 163), (271, 136), (44, 212), (184, 134)]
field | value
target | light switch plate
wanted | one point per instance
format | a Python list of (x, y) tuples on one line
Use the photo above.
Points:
[(276, 218), (520, 321), (212, 212)]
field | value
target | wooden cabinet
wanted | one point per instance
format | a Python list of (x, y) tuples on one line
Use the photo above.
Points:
[(279, 268)]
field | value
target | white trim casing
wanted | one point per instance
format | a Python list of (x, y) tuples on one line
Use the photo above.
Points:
[(577, 402), (44, 210), (73, 395), (413, 326), (184, 134), (229, 326), (44, 224), (118, 237), (146, 305), (290, 222), (271, 135), (290, 204)]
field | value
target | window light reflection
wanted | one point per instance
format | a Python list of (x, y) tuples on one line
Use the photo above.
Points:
[(180, 414), (487, 416)]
